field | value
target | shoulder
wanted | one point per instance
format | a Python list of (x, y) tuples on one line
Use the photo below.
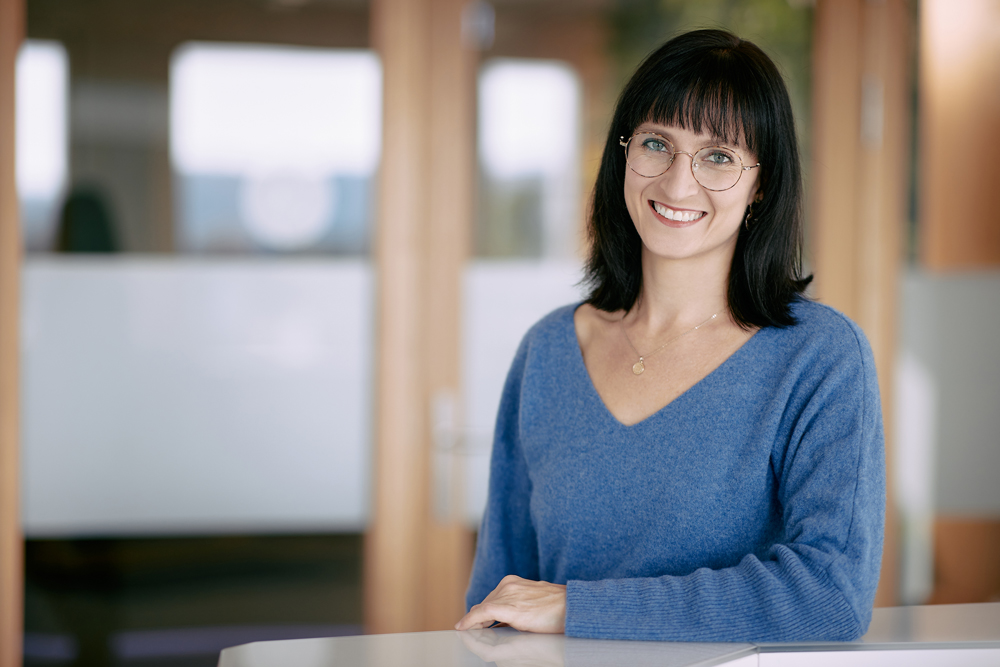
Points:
[(822, 346), (553, 334), (811, 314), (553, 328), (548, 345), (823, 329), (824, 354), (824, 370)]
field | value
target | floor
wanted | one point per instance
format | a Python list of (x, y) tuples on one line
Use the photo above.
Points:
[(175, 602)]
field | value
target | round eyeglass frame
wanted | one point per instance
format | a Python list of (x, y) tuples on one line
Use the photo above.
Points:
[(625, 142)]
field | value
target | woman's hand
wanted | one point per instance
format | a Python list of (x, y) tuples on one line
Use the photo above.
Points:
[(531, 606)]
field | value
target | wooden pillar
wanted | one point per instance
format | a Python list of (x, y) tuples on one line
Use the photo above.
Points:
[(860, 167), (836, 127), (418, 556), (394, 553), (449, 241), (11, 541), (959, 117)]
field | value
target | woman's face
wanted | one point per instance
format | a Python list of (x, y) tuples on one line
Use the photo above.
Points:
[(675, 216)]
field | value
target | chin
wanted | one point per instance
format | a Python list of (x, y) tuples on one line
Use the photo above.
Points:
[(676, 249)]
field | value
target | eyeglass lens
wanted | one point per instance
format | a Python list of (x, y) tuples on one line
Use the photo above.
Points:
[(715, 168)]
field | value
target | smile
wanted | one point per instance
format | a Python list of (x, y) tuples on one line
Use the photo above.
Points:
[(676, 215)]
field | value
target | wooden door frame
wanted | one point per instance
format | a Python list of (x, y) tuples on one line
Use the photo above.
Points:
[(12, 14)]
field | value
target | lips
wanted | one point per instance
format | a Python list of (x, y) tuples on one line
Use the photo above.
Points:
[(676, 214)]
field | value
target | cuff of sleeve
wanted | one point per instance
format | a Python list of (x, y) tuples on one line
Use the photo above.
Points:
[(741, 604), (611, 609)]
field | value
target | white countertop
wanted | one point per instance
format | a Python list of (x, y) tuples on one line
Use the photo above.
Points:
[(966, 635)]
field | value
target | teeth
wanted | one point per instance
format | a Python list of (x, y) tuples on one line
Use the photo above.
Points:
[(679, 216)]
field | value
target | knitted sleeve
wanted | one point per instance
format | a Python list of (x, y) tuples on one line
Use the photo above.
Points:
[(507, 542), (818, 581)]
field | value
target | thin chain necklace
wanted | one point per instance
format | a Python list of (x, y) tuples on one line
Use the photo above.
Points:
[(638, 367)]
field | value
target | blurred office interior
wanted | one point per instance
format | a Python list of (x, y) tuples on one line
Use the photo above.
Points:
[(273, 258)]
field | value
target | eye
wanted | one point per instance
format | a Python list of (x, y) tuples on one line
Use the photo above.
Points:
[(655, 145), (719, 158)]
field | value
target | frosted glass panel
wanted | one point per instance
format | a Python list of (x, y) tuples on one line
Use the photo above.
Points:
[(188, 397)]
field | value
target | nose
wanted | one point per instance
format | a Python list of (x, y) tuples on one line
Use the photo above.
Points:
[(678, 180)]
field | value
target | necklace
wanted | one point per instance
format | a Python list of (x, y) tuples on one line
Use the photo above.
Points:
[(638, 367)]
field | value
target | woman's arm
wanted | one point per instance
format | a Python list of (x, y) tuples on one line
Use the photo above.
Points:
[(507, 543)]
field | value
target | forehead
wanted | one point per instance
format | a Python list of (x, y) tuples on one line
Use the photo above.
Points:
[(700, 138)]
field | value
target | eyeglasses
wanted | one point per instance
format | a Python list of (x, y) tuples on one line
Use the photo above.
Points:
[(714, 167)]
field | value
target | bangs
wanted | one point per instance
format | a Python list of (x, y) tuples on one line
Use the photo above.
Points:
[(714, 95)]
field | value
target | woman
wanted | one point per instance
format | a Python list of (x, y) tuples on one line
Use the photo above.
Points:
[(695, 453)]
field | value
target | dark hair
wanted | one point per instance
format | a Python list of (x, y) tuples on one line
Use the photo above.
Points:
[(715, 80)]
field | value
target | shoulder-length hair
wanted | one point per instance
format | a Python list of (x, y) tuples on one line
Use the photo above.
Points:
[(714, 80)]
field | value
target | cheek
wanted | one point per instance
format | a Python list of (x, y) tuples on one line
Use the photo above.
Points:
[(731, 210), (633, 200), (740, 200)]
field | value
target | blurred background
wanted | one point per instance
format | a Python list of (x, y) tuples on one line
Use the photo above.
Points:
[(278, 254)]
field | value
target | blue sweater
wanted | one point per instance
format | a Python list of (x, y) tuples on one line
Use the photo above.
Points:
[(750, 508)]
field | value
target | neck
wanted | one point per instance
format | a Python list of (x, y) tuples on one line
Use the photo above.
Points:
[(681, 293)]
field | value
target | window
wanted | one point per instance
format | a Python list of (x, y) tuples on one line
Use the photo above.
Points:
[(41, 137), (529, 150), (274, 148)]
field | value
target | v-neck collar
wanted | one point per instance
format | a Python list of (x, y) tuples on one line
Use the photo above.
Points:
[(581, 367)]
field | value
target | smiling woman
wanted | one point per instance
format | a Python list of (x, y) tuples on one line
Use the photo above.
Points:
[(695, 452)]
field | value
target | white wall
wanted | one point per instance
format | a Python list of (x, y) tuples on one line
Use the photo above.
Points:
[(950, 326)]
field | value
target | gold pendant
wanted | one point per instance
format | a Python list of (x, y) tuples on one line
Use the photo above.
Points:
[(638, 367)]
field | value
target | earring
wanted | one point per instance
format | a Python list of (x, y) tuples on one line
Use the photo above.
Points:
[(746, 220)]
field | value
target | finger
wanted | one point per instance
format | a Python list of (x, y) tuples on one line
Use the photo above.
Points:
[(505, 584), (479, 617), (475, 624)]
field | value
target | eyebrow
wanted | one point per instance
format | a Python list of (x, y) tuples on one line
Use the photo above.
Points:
[(715, 139)]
